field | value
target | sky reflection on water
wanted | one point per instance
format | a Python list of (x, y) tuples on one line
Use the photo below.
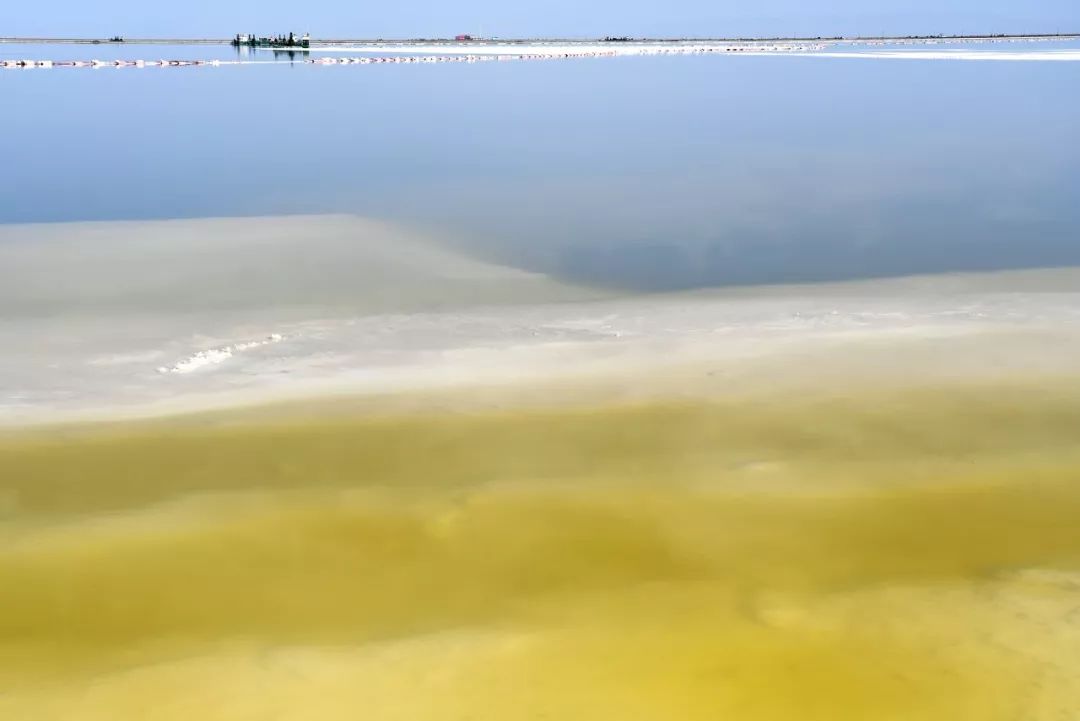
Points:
[(644, 173)]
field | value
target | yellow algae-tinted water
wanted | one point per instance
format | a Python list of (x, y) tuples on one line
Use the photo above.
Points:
[(902, 555)]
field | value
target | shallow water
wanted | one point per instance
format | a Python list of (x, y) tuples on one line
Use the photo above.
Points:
[(503, 475), (152, 317), (898, 555)]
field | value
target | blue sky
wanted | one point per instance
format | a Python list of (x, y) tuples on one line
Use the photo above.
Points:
[(507, 18)]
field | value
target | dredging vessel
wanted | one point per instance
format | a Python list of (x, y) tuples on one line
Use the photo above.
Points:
[(291, 40)]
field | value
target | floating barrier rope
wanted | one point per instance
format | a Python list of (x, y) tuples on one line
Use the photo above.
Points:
[(409, 59), (497, 54)]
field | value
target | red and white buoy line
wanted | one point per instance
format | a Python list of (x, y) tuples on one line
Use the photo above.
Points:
[(410, 59)]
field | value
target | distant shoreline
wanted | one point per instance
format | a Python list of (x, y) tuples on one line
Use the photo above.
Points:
[(524, 41)]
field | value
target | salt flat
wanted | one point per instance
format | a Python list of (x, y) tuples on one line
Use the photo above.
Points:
[(1041, 55), (148, 318)]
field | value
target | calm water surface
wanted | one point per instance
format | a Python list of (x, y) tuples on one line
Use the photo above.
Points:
[(839, 502), (641, 173)]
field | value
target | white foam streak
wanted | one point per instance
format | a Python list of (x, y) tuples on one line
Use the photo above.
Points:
[(213, 356)]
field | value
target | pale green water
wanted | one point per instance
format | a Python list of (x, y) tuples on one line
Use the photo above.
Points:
[(905, 555)]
